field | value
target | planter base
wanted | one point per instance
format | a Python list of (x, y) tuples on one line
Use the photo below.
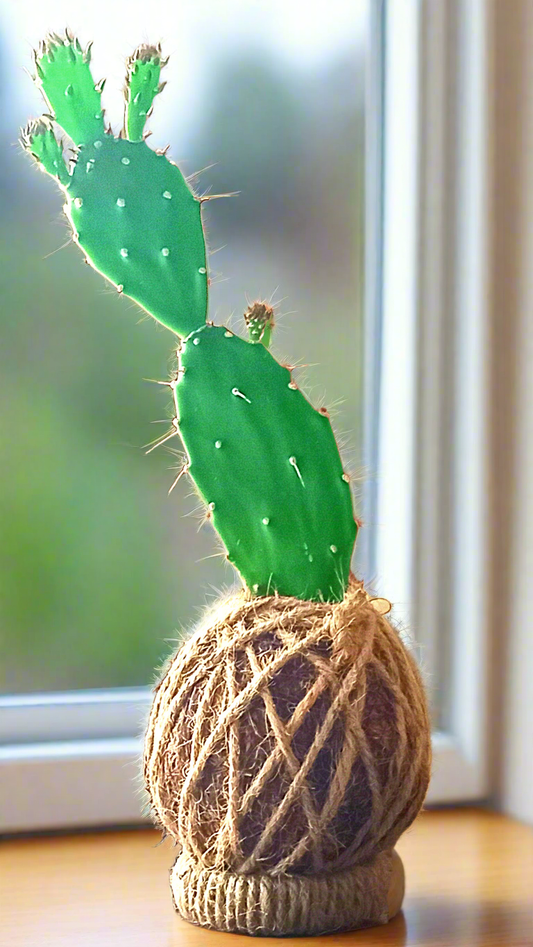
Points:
[(281, 905)]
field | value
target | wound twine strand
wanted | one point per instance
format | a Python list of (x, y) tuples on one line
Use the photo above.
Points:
[(287, 749), (289, 904)]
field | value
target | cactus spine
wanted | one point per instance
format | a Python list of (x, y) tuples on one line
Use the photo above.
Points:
[(264, 461)]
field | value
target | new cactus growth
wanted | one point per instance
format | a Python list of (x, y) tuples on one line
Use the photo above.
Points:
[(259, 319), (142, 86), (264, 461)]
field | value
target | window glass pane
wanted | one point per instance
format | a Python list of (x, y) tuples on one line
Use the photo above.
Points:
[(99, 569)]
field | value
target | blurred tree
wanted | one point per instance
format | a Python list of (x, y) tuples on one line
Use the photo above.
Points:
[(291, 142), (251, 130)]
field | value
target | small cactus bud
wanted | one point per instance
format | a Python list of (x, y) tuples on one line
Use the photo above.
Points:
[(259, 319)]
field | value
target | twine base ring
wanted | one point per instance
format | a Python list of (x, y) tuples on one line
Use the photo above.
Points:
[(282, 904)]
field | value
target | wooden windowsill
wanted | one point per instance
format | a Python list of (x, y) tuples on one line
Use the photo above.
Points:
[(469, 882)]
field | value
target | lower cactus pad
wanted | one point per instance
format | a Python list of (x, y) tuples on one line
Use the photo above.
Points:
[(267, 465)]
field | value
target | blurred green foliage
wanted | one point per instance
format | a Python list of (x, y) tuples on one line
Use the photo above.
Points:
[(99, 571)]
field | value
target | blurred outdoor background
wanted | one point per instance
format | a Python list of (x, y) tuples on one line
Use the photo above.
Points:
[(99, 568)]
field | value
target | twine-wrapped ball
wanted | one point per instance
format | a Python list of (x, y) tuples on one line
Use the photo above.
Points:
[(287, 749)]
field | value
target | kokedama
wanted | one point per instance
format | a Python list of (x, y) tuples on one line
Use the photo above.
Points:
[(288, 743)]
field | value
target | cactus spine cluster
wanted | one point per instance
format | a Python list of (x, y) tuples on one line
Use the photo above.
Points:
[(263, 460)]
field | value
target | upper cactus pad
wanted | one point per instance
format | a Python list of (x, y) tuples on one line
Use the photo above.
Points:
[(142, 86), (131, 209), (64, 75)]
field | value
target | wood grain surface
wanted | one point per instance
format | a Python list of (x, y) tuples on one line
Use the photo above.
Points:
[(469, 882)]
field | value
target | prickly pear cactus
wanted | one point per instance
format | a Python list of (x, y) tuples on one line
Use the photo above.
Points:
[(264, 461)]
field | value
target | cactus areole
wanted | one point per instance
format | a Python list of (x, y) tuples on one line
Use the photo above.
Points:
[(262, 458)]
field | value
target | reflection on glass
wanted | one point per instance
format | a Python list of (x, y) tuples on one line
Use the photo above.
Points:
[(99, 570)]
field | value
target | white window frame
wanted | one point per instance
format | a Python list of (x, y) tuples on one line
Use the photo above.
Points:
[(425, 513), (431, 538)]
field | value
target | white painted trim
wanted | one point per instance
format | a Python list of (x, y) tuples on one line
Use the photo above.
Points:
[(84, 783), (72, 784), (365, 547), (511, 604), (470, 577), (73, 715), (398, 332), (431, 551), (454, 777)]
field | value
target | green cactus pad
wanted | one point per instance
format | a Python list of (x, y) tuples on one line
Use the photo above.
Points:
[(142, 86), (267, 465), (140, 225), (64, 77), (130, 208), (38, 138)]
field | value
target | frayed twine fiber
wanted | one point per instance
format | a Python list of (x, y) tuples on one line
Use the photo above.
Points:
[(288, 747)]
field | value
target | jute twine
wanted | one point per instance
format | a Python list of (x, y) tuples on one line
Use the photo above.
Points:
[(287, 749)]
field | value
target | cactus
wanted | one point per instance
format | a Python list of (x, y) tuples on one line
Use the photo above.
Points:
[(263, 459)]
